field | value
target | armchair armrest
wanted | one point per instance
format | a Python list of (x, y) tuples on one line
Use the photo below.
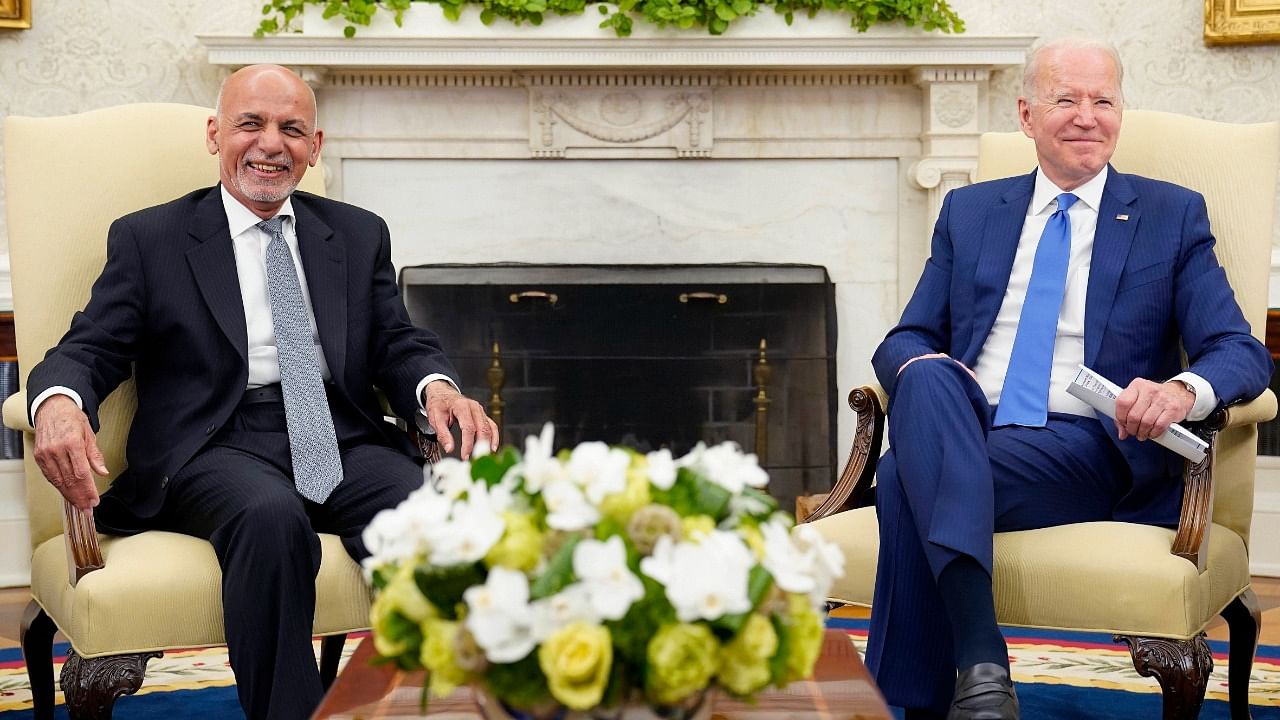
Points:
[(83, 553), (853, 489), (1197, 499), (15, 412)]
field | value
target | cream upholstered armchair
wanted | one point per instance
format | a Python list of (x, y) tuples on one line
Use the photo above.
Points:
[(1152, 588), (120, 601)]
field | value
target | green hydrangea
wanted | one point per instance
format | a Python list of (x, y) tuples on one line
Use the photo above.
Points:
[(521, 544), (622, 505), (682, 660), (744, 662), (804, 638), (439, 638)]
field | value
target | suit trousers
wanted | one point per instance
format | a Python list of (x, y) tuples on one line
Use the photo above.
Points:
[(948, 482), (238, 494)]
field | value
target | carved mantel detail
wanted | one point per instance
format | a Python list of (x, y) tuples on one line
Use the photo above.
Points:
[(603, 117)]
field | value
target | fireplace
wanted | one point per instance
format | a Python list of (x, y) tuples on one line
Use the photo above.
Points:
[(648, 356), (815, 146)]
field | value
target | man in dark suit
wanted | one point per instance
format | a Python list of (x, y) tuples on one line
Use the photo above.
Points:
[(257, 322), (1029, 277)]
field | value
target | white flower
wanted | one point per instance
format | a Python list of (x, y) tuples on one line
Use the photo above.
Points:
[(571, 604), (388, 539), (567, 506), (726, 465), (474, 526), (662, 469), (500, 617), (598, 469), (706, 579), (602, 568), (792, 569), (451, 477), (828, 561), (539, 466)]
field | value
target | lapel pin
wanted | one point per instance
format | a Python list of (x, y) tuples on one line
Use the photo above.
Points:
[(1122, 218)]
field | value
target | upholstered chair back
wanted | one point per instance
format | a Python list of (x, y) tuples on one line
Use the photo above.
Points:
[(1234, 167), (67, 178)]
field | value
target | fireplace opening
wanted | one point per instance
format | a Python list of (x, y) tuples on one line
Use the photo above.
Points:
[(647, 356)]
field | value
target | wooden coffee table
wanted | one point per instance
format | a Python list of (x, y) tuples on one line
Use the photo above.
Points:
[(840, 689)]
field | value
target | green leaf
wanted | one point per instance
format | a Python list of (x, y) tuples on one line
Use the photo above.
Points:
[(349, 31), (743, 7), (520, 684), (444, 586), (558, 574), (725, 13), (486, 17)]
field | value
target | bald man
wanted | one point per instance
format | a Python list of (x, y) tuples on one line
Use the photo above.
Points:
[(238, 381)]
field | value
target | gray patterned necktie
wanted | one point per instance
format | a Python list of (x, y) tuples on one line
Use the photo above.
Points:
[(313, 445)]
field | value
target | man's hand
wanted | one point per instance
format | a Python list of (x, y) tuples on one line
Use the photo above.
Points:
[(67, 451), (444, 404), (1146, 409), (931, 356)]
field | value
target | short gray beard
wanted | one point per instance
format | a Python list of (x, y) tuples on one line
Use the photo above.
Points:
[(264, 195)]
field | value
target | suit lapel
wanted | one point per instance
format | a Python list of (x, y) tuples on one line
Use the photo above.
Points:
[(213, 263), (324, 260), (999, 244), (1111, 243)]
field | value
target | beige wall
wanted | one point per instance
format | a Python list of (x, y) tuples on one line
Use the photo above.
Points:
[(83, 55)]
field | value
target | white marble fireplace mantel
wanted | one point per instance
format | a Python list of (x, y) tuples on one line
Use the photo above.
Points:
[(810, 144)]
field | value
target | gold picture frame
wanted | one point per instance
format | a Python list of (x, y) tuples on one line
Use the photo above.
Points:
[(15, 14), (1228, 22)]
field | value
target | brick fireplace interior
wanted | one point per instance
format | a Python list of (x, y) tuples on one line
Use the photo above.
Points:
[(648, 356)]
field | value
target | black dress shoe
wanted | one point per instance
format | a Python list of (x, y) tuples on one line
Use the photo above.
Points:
[(984, 692)]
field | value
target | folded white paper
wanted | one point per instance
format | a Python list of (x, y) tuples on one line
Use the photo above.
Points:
[(1101, 394)]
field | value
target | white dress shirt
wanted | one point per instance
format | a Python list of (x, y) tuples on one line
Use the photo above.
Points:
[(1068, 348), (249, 243)]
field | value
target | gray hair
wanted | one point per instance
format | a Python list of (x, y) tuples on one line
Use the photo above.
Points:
[(1041, 48)]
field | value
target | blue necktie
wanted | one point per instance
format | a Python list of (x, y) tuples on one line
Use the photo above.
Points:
[(1025, 397), (313, 444)]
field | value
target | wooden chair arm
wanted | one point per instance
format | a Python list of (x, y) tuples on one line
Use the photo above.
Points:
[(81, 537), (1197, 500), (853, 489)]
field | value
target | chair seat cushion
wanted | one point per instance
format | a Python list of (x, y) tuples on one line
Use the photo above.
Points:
[(163, 590), (1108, 577)]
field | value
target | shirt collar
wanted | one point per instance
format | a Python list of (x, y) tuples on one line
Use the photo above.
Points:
[(1089, 193), (241, 218)]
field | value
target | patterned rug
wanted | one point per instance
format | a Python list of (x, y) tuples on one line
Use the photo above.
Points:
[(1059, 676), (1070, 676)]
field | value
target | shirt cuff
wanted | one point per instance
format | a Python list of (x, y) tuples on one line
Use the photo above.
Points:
[(1206, 399), (55, 390), (422, 423)]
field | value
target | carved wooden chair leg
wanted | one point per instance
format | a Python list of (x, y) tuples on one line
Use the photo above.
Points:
[(1182, 668), (36, 636), (330, 654), (91, 686), (1244, 621)]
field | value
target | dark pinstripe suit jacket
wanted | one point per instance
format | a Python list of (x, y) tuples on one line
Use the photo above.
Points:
[(167, 309), (1153, 281)]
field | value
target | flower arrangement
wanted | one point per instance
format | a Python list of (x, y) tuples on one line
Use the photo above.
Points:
[(597, 577)]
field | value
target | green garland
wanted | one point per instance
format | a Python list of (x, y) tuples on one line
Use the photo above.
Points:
[(714, 15)]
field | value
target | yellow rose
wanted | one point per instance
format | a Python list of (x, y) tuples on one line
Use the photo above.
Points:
[(621, 505), (437, 656), (576, 660), (696, 526), (396, 614), (804, 631), (520, 547), (682, 659), (744, 662)]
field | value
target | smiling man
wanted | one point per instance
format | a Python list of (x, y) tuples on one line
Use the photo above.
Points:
[(1073, 263), (257, 322)]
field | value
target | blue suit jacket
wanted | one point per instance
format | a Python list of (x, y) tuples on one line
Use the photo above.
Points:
[(1155, 287)]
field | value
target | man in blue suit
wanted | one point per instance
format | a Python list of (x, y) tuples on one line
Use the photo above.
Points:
[(1029, 277)]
